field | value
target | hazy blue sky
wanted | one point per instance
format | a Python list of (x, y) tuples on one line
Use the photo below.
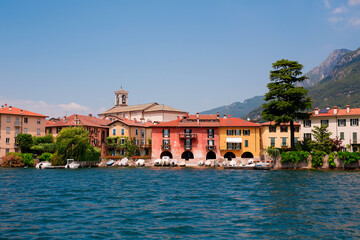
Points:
[(60, 57)]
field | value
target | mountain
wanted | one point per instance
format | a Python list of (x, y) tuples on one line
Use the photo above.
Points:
[(238, 109), (341, 86), (318, 73)]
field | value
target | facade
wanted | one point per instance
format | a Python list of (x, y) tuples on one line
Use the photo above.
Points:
[(239, 139), (124, 129), (151, 112), (97, 128), (192, 138), (278, 136), (342, 123), (14, 121)]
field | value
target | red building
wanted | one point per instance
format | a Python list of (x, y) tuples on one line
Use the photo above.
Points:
[(192, 138)]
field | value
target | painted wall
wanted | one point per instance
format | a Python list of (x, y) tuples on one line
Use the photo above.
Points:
[(266, 137)]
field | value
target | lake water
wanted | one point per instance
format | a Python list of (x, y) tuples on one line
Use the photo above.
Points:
[(157, 203)]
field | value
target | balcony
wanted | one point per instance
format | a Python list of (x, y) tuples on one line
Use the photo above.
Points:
[(187, 147), (166, 146), (17, 124), (144, 146), (187, 135), (210, 147)]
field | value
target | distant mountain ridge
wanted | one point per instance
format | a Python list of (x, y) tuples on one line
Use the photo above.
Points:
[(237, 109)]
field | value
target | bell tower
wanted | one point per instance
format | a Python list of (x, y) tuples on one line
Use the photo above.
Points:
[(121, 98)]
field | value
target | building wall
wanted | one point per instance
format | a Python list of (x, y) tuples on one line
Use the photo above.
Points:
[(253, 141), (31, 126), (199, 149), (266, 137), (159, 116), (335, 129)]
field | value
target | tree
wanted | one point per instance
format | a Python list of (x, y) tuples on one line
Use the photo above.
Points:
[(322, 140), (285, 102), (72, 143), (25, 142), (131, 147)]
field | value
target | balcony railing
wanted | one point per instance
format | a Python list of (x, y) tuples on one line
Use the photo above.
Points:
[(187, 147), (145, 146), (188, 135), (210, 147), (166, 146), (17, 124)]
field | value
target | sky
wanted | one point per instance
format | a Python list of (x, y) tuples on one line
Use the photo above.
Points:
[(63, 57)]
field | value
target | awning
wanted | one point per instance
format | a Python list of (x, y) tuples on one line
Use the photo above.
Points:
[(233, 140)]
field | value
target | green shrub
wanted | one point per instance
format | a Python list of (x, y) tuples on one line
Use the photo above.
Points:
[(45, 157), (349, 157), (28, 159), (56, 160), (294, 157), (331, 161), (317, 159)]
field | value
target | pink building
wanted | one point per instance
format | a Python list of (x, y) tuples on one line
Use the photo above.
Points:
[(192, 138)]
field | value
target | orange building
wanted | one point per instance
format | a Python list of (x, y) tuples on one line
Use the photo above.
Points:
[(14, 121)]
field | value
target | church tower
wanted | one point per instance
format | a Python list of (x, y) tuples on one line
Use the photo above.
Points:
[(121, 98)]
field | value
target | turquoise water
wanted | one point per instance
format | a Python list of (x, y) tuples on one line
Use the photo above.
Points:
[(172, 203)]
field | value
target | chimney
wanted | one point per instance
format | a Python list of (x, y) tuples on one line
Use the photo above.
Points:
[(2, 106), (348, 108), (197, 118), (10, 108), (316, 111), (335, 110), (90, 115), (217, 115), (64, 117), (21, 111), (225, 116), (178, 118)]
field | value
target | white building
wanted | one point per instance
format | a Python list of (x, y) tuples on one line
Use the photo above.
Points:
[(342, 123), (143, 113)]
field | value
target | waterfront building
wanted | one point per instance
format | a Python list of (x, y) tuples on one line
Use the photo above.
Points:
[(342, 123), (97, 128), (239, 138), (191, 138), (14, 121), (278, 136), (153, 112), (123, 130)]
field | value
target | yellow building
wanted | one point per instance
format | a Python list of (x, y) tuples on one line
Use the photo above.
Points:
[(239, 138), (123, 130), (278, 136)]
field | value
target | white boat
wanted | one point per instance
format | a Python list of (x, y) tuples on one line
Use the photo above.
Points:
[(201, 163), (110, 163), (208, 163), (157, 162), (124, 162), (232, 163), (43, 165), (165, 160), (72, 164), (140, 163), (173, 162), (216, 163)]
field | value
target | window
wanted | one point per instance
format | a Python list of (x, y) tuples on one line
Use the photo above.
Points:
[(38, 131), (7, 151), (122, 141), (246, 132), (355, 149), (16, 132), (354, 137), (26, 120), (283, 142), (246, 143), (295, 140), (188, 142), (342, 135), (187, 132), (272, 128), (58, 129), (166, 144), (229, 146), (8, 119), (38, 121), (8, 130), (342, 122), (142, 133), (137, 141), (122, 131), (237, 132), (210, 142), (283, 129), (233, 146), (142, 142), (95, 142), (136, 131), (272, 142), (297, 129), (354, 122), (95, 130), (17, 121), (237, 146), (307, 123), (229, 132), (116, 140), (210, 133), (166, 133), (122, 152), (26, 130), (49, 130), (324, 122), (7, 140), (307, 136), (114, 131)]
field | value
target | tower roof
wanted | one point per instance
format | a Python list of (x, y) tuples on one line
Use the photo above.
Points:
[(121, 91)]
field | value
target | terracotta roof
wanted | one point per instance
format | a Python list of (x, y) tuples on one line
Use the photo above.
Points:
[(203, 117), (18, 111), (84, 121), (132, 123), (182, 123), (119, 109), (163, 107), (341, 112), (237, 122), (272, 123)]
